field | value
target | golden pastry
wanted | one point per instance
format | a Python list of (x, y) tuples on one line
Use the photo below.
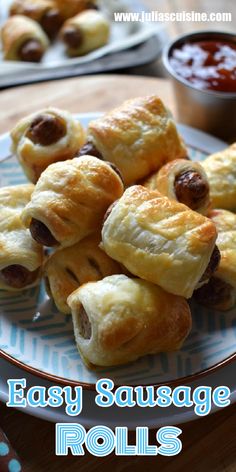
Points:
[(69, 8), (139, 137), (119, 319), (67, 269), (161, 240), (21, 257), (45, 137), (184, 181), (221, 172), (44, 12), (85, 32), (220, 292), (23, 39), (70, 200)]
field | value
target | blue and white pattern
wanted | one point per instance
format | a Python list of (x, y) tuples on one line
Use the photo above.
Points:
[(34, 333)]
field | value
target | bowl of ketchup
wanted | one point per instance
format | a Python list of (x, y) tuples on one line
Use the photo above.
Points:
[(202, 67)]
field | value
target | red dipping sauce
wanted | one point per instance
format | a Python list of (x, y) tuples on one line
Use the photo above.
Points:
[(208, 65)]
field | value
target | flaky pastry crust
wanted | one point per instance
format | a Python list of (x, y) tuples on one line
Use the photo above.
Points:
[(94, 29), (16, 31), (164, 180), (71, 198), (138, 137), (35, 158), (159, 240), (67, 269), (128, 318)]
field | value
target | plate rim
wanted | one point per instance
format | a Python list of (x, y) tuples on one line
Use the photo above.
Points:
[(92, 386)]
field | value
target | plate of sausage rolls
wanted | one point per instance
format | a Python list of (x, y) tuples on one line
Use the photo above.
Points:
[(45, 36), (118, 246)]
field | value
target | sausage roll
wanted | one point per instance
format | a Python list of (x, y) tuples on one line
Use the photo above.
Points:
[(139, 137), (44, 12), (221, 172), (160, 240), (70, 200), (69, 8), (184, 181), (71, 267), (220, 292), (119, 319), (45, 137), (85, 32), (21, 257), (23, 39)]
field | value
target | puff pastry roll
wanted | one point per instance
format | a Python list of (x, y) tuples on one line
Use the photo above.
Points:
[(184, 181), (44, 12), (160, 240), (70, 200), (139, 137), (67, 269), (45, 137), (221, 172), (119, 319), (69, 8), (21, 257), (220, 292), (85, 32), (23, 39)]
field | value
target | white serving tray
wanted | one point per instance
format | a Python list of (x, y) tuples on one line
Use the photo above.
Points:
[(123, 36)]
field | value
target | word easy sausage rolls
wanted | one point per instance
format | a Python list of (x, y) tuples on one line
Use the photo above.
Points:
[(21, 257), (45, 137), (23, 39), (221, 173), (44, 12), (70, 200), (184, 181), (85, 32), (220, 292), (67, 269), (139, 137), (119, 319), (160, 240)]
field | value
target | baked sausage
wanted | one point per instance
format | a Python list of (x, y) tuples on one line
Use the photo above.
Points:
[(84, 324), (51, 22), (17, 276), (46, 129), (72, 37), (191, 189), (215, 294), (212, 266), (89, 149), (31, 51), (85, 32), (41, 233)]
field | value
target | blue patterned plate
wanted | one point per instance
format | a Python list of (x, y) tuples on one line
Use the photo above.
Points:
[(39, 339)]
